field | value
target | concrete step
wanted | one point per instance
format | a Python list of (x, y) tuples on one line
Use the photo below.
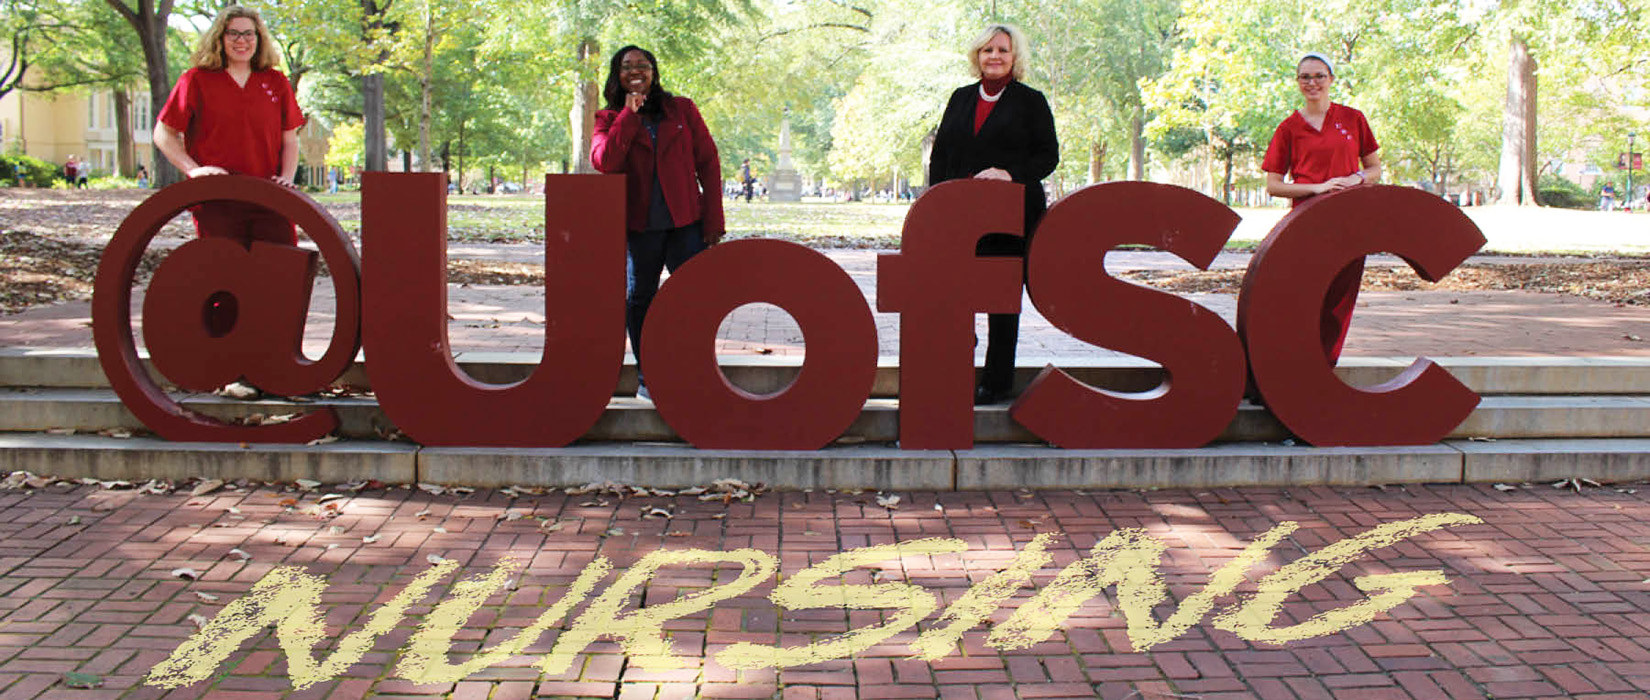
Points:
[(78, 367), (842, 467), (628, 419)]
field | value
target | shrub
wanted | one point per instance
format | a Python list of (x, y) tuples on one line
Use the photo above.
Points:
[(29, 169), (1554, 191)]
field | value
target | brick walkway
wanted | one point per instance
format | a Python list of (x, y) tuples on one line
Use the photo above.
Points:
[(1547, 598), (511, 318)]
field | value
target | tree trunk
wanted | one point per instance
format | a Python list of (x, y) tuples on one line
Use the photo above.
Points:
[(424, 85), (149, 22), (1516, 176), (372, 108), (1137, 143), (1097, 162), (125, 158), (1226, 179), (582, 118)]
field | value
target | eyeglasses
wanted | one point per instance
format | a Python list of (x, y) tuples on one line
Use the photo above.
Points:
[(1312, 77), (635, 67), (237, 35)]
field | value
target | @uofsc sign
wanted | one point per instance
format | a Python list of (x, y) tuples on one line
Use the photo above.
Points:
[(392, 302)]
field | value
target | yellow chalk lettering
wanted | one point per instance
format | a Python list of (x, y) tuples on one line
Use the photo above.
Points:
[(642, 631), (981, 599), (425, 660), (1127, 559), (291, 600), (801, 592), (1252, 619)]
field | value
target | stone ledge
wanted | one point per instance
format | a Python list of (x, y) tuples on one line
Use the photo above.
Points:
[(883, 468), (141, 459), (1552, 460), (1005, 467)]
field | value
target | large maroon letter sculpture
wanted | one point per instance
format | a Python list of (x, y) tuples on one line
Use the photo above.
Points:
[(937, 284), (268, 285), (404, 277), (1283, 292), (1201, 356), (696, 398)]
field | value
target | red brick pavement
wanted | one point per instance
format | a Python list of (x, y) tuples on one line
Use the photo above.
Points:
[(492, 318), (1548, 597)]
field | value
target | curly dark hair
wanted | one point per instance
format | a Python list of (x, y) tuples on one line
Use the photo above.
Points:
[(615, 93)]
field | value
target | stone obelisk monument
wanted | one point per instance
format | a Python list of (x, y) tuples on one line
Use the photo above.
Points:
[(786, 185)]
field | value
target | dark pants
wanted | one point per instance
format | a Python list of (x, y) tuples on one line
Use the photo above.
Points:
[(1003, 330), (647, 253)]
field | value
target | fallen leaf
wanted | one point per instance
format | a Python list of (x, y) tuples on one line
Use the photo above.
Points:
[(199, 620), (890, 501), (308, 484), (241, 553), (369, 539), (74, 679), (435, 559), (440, 529), (1505, 487), (206, 597), (206, 487), (186, 573), (322, 441)]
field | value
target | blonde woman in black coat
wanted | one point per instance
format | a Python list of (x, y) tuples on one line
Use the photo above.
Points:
[(998, 129)]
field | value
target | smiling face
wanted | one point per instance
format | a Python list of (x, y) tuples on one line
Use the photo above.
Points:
[(635, 73), (240, 41), (997, 57), (1313, 78)]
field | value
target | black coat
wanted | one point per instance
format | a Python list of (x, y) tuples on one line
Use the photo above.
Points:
[(1018, 136)]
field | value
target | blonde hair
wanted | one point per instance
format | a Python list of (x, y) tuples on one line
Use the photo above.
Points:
[(209, 53), (1016, 41)]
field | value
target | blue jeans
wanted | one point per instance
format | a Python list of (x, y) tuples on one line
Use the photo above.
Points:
[(647, 253)]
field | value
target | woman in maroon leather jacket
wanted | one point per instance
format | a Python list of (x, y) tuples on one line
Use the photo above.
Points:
[(673, 179)]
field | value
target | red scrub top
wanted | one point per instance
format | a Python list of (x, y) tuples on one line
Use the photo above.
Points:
[(1312, 156), (237, 128)]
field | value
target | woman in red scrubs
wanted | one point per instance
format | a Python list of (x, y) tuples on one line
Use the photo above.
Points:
[(234, 113), (1324, 147)]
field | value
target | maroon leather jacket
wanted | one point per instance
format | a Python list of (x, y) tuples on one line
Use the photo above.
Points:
[(690, 172)]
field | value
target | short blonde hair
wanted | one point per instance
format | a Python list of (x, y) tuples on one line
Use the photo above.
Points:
[(209, 53), (1016, 40)]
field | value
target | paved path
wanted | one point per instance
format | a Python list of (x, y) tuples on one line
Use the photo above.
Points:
[(511, 319), (1548, 597)]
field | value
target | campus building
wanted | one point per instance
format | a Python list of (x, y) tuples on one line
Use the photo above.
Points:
[(54, 125)]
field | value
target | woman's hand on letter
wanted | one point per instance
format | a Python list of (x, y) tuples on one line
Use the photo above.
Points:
[(207, 170), (994, 174)]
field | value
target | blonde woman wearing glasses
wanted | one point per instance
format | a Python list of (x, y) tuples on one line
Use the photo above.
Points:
[(233, 112), (1324, 147)]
